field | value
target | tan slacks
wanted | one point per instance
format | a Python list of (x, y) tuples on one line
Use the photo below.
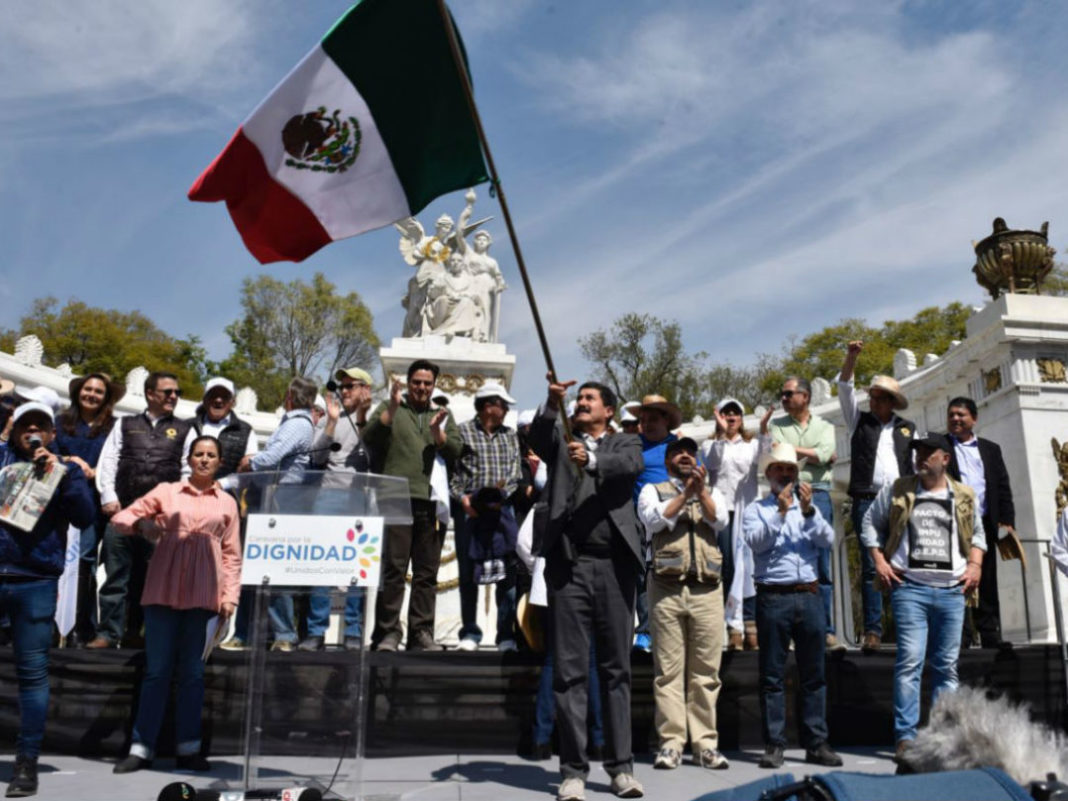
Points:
[(687, 627)]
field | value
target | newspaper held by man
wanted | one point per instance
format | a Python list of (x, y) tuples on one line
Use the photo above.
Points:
[(25, 490)]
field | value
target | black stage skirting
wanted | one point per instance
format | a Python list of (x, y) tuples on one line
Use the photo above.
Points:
[(468, 702)]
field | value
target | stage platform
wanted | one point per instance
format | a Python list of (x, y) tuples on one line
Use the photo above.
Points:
[(469, 702), (441, 777)]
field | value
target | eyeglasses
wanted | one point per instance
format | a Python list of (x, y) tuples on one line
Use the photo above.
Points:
[(168, 392), (789, 393), (348, 387)]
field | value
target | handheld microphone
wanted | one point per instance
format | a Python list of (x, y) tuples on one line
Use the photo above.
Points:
[(184, 791), (331, 385), (39, 463)]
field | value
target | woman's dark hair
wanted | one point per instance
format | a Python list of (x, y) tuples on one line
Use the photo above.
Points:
[(205, 438), (100, 425)]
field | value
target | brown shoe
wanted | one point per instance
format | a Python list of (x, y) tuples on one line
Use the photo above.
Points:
[(734, 640), (872, 642), (901, 752), (751, 636), (99, 642)]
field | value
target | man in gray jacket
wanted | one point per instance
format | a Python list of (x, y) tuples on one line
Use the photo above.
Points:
[(593, 556)]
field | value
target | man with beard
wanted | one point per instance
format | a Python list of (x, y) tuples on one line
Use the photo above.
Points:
[(681, 517), (593, 555), (786, 532), (925, 534)]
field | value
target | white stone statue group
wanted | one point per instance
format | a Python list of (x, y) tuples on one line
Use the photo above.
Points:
[(456, 287)]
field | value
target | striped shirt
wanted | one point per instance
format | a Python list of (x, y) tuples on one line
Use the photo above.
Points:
[(197, 561), (288, 448), (487, 460)]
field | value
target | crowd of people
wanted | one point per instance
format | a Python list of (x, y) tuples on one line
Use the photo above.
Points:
[(624, 534)]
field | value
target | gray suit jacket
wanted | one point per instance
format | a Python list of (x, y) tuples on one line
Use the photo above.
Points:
[(619, 461)]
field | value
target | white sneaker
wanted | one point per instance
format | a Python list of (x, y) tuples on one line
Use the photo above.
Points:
[(507, 646), (467, 644), (571, 789), (624, 785)]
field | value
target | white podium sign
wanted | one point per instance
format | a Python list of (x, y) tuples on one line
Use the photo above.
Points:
[(312, 550)]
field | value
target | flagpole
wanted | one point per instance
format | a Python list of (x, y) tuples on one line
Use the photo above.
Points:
[(454, 46)]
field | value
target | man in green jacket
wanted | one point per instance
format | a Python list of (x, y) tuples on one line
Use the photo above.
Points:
[(407, 434)]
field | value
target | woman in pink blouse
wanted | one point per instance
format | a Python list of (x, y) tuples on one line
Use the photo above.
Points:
[(195, 573)]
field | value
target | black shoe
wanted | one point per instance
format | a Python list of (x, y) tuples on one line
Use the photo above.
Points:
[(423, 641), (595, 753), (772, 757), (194, 762), (130, 764), (313, 642), (24, 778), (823, 755), (541, 751)]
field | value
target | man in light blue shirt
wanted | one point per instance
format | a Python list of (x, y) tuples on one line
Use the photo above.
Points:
[(786, 530)]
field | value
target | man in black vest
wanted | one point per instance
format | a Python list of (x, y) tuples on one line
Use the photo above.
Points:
[(879, 455), (215, 417), (140, 452), (978, 463)]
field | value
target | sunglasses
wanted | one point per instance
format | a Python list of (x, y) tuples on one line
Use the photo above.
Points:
[(347, 387), (789, 393), (168, 392)]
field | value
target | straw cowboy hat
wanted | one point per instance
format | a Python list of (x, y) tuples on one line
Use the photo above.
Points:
[(780, 453), (661, 404), (885, 383)]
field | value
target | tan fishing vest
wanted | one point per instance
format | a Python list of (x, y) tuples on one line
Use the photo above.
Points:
[(689, 551)]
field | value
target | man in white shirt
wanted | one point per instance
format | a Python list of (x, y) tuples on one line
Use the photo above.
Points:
[(925, 535), (681, 517), (879, 455)]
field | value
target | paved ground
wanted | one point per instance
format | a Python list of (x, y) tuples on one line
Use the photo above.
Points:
[(431, 778)]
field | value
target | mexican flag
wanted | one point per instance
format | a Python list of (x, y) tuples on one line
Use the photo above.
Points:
[(367, 129)]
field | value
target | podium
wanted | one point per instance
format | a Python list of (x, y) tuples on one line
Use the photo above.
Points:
[(319, 530)]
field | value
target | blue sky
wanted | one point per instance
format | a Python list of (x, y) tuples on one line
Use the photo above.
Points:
[(751, 169)]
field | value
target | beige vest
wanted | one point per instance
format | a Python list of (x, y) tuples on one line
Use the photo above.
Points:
[(689, 550), (902, 501)]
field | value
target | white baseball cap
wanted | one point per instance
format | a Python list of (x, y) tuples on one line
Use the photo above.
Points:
[(494, 389), (218, 381), (33, 406)]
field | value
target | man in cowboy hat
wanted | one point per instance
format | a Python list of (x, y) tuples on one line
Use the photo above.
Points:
[(813, 440), (926, 536), (879, 454), (786, 532), (658, 417), (484, 481)]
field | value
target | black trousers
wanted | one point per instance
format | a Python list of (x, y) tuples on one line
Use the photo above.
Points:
[(592, 597), (986, 617), (420, 543)]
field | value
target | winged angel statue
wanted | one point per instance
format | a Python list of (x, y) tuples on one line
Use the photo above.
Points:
[(456, 287)]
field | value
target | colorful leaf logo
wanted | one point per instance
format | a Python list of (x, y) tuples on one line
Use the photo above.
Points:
[(351, 535)]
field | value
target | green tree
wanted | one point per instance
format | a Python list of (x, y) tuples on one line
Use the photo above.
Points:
[(92, 339), (296, 328), (643, 355), (1056, 282)]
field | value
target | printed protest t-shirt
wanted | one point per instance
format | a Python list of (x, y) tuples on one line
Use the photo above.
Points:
[(929, 553)]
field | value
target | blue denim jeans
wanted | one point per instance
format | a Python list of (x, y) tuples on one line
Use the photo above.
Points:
[(280, 616), (174, 641), (30, 606), (545, 704), (319, 612), (821, 499), (928, 621), (796, 616), (871, 598)]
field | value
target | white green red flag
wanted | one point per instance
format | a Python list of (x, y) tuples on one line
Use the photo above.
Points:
[(367, 129)]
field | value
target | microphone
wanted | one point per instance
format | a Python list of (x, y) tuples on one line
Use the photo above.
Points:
[(331, 385), (35, 442), (183, 791)]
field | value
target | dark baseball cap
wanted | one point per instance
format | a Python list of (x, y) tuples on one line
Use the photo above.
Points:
[(937, 442), (684, 443)]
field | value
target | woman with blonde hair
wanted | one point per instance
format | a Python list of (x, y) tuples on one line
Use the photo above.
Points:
[(730, 456)]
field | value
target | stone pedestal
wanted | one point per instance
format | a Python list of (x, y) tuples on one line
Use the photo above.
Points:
[(465, 366)]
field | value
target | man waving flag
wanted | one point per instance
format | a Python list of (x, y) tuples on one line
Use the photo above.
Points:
[(367, 129)]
